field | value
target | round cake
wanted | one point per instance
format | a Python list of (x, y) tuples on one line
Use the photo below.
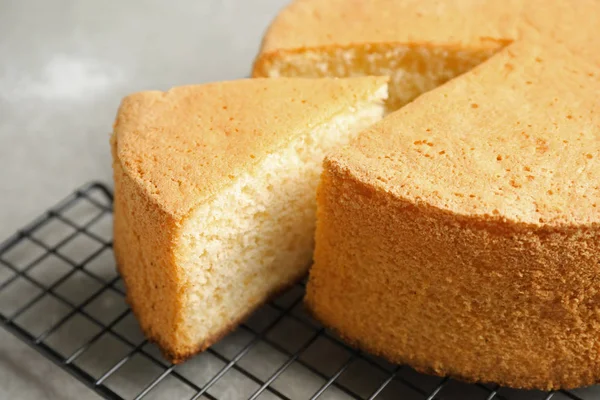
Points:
[(461, 234)]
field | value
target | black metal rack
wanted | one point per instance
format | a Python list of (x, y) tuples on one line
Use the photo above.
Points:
[(60, 293)]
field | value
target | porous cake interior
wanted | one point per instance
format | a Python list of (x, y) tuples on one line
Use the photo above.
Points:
[(413, 69), (256, 237)]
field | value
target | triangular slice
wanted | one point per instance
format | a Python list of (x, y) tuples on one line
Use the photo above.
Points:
[(214, 196)]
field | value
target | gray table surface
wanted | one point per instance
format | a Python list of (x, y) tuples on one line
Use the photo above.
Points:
[(64, 66)]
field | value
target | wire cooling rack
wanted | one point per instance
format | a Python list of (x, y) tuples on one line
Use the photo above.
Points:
[(61, 294)]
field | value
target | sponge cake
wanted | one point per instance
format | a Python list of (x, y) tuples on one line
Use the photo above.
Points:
[(214, 196)]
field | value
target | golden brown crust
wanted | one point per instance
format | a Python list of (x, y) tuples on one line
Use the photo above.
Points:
[(515, 139), (467, 24), (143, 247), (182, 146), (481, 300), (366, 346), (316, 23), (318, 27)]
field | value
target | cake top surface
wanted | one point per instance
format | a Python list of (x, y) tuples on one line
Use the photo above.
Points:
[(458, 23), (517, 138), (182, 146)]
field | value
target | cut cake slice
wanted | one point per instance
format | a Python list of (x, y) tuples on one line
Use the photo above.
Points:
[(215, 196)]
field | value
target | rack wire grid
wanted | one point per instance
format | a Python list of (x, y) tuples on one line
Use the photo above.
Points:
[(61, 294)]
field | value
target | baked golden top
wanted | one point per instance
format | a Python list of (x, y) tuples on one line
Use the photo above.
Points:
[(184, 145), (458, 23), (517, 139)]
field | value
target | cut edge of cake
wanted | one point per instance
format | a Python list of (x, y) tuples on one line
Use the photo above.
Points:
[(413, 69)]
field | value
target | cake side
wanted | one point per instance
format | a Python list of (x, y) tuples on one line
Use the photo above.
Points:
[(479, 299), (256, 237), (143, 248)]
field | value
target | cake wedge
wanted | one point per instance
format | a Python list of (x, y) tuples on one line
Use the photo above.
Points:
[(214, 207)]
